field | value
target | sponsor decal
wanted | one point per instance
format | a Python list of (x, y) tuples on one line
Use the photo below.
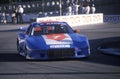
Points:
[(53, 39), (75, 20), (111, 18)]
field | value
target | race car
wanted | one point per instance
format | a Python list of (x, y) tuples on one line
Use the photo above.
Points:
[(51, 40)]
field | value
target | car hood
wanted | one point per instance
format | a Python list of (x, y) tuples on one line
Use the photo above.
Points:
[(56, 41)]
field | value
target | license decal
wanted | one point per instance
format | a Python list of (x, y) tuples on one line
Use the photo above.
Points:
[(59, 46)]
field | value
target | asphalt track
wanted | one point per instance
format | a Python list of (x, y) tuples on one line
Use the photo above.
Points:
[(97, 66)]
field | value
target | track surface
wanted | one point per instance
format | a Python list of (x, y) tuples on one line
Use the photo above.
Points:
[(100, 66)]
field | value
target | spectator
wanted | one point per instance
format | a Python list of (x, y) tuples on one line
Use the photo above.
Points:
[(69, 10), (93, 9), (83, 9), (13, 15), (80, 9), (75, 9), (3, 18), (87, 9), (20, 14), (16, 14)]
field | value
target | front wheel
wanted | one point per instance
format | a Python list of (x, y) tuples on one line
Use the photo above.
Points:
[(18, 47), (26, 53)]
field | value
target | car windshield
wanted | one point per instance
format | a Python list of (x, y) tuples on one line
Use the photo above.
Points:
[(50, 29)]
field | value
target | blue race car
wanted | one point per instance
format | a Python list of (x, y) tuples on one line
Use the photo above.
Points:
[(51, 40)]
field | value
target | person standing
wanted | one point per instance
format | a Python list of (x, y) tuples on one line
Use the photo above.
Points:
[(20, 14), (93, 9), (13, 16), (87, 9), (80, 8), (4, 18), (69, 10), (16, 14), (83, 9), (75, 9)]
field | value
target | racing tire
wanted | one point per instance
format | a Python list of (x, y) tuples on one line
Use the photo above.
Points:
[(18, 48)]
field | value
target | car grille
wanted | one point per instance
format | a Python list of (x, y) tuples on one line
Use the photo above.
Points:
[(61, 53)]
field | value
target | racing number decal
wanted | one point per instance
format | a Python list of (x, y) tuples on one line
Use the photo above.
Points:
[(57, 37), (51, 39)]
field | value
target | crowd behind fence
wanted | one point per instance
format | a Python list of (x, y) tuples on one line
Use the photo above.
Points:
[(43, 9), (40, 9)]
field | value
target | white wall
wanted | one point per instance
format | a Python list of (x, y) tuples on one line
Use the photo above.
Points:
[(75, 20)]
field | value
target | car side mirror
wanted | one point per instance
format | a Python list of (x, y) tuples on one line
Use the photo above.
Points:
[(22, 35), (23, 29)]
